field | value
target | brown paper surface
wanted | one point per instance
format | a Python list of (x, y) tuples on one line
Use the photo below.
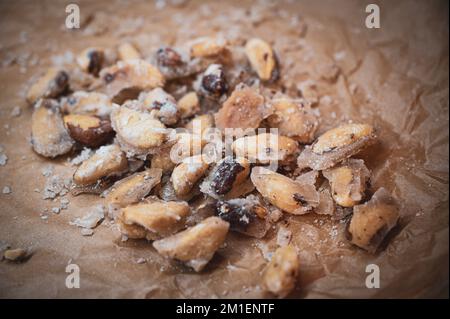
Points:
[(395, 78)]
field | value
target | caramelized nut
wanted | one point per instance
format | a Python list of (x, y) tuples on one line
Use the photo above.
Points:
[(49, 136), (161, 104), (186, 145), (88, 130), (293, 119), (126, 79), (265, 147), (107, 161), (51, 85), (348, 182), (187, 173), (127, 51), (195, 246), (262, 59), (91, 60), (213, 81), (163, 161), (243, 109), (281, 274), (373, 220), (200, 123), (336, 145), (189, 105), (87, 103), (157, 217), (283, 192), (207, 47)]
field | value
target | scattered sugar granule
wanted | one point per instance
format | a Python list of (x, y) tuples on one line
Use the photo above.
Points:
[(84, 155), (56, 210), (87, 232), (284, 236), (141, 261), (91, 219), (6, 190), (3, 159)]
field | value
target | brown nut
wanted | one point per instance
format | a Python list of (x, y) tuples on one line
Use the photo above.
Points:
[(127, 51), (336, 145), (168, 57), (207, 47), (133, 188), (87, 103), (91, 60), (49, 136), (126, 79), (283, 192), (187, 174), (264, 148), (189, 105), (281, 274), (195, 246), (88, 130), (107, 161), (158, 217), (15, 255), (294, 119), (226, 175), (262, 59), (348, 182), (161, 105), (51, 85), (373, 220), (213, 81), (243, 109), (137, 132)]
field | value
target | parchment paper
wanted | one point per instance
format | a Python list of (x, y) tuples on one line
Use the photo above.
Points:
[(395, 77)]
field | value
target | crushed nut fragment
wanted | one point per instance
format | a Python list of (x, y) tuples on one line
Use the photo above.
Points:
[(51, 85), (262, 59), (88, 130)]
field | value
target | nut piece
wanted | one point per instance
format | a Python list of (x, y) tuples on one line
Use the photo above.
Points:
[(49, 136), (195, 246), (127, 51), (186, 145), (283, 192), (348, 182), (200, 123), (262, 59), (137, 132), (336, 145), (88, 130), (157, 217), (107, 161), (264, 148), (126, 79), (18, 254), (281, 274), (161, 105), (226, 175), (87, 103), (373, 220), (91, 60), (51, 85), (186, 174), (207, 47), (163, 161), (243, 109), (245, 215), (294, 119), (133, 188), (189, 105), (213, 81)]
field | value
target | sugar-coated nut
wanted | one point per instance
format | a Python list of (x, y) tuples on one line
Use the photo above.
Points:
[(187, 173), (107, 160), (229, 173), (207, 47), (186, 145), (88, 130), (264, 148), (283, 192), (156, 216), (213, 81), (373, 220), (87, 103), (243, 109), (163, 161), (49, 136), (280, 276), (195, 246), (200, 123), (341, 136), (51, 85), (91, 60), (17, 254), (189, 105), (127, 51), (168, 57), (262, 59), (126, 79), (161, 105)]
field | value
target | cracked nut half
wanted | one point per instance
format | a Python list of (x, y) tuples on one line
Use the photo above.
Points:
[(262, 59), (88, 130), (51, 85)]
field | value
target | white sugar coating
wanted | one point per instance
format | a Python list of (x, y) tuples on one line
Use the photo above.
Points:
[(80, 158), (6, 190), (3, 159), (16, 111), (91, 219)]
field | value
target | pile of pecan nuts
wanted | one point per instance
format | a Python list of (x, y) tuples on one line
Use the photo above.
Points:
[(194, 142)]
